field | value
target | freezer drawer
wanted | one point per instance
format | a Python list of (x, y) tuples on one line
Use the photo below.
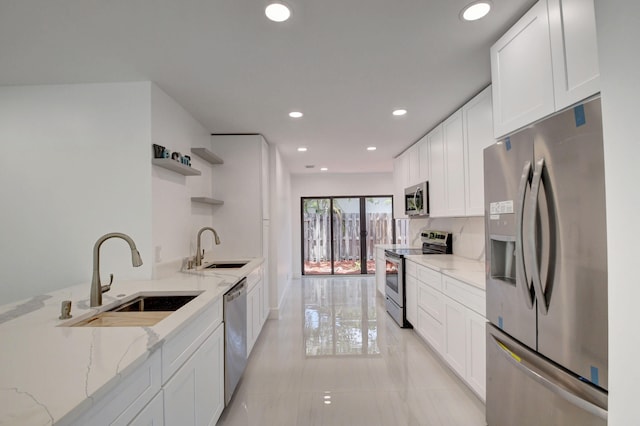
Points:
[(525, 389)]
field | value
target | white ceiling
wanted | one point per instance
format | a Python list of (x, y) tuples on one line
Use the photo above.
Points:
[(346, 64)]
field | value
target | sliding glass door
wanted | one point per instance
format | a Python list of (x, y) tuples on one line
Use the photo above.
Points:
[(339, 233)]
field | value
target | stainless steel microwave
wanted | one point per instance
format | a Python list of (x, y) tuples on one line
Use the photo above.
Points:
[(416, 200)]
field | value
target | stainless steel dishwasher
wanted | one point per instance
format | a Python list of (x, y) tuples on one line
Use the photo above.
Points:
[(235, 337)]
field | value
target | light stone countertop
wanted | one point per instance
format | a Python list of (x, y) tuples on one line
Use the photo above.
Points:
[(467, 270), (50, 374)]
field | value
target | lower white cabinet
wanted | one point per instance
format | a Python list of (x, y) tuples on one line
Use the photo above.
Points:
[(152, 414), (256, 310), (195, 394), (448, 314), (128, 398), (253, 317), (476, 373), (455, 346), (411, 299), (381, 267)]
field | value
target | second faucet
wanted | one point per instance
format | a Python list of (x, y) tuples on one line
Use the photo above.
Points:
[(199, 254)]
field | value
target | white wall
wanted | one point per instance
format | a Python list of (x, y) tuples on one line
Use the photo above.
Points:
[(176, 220), (335, 184), (281, 227), (74, 166), (618, 25)]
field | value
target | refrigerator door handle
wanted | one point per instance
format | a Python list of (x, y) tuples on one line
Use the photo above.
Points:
[(539, 376), (521, 269), (535, 270)]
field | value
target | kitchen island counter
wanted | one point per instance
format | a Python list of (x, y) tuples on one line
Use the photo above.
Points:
[(52, 374)]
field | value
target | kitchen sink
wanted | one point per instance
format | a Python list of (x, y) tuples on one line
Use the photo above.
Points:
[(154, 303), (143, 310), (225, 265)]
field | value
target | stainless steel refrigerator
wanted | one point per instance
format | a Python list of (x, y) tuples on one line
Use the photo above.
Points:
[(546, 258)]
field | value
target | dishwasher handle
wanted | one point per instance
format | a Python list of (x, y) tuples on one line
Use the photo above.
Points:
[(236, 291)]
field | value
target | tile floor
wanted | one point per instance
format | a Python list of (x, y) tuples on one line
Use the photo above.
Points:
[(335, 357)]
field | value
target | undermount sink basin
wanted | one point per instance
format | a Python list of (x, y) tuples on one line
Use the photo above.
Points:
[(225, 265), (154, 303), (143, 310)]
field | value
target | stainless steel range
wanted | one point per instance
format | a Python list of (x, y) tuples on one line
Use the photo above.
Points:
[(433, 242)]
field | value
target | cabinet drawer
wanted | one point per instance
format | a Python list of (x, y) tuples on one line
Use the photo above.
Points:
[(412, 268), (176, 351), (430, 277), (431, 301), (465, 294), (128, 398), (431, 330)]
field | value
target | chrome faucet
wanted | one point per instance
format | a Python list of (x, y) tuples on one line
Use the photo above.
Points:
[(199, 254), (96, 286)]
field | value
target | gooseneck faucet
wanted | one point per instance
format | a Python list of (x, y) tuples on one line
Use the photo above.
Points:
[(199, 254), (96, 286)]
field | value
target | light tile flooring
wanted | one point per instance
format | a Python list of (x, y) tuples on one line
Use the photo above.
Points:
[(335, 357)]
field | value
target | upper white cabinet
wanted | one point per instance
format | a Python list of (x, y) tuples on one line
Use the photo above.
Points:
[(399, 184), (574, 50), (423, 152), (414, 165), (547, 61), (454, 164), (478, 134), (245, 192), (437, 172), (521, 72)]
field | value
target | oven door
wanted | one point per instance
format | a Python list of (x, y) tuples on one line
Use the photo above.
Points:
[(394, 277)]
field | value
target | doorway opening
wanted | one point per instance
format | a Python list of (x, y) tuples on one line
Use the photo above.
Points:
[(339, 233)]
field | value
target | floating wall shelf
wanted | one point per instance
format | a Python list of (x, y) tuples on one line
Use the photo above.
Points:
[(175, 166), (207, 200), (207, 155)]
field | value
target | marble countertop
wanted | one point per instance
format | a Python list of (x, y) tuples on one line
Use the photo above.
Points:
[(50, 373), (468, 270)]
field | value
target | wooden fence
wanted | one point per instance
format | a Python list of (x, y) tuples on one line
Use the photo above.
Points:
[(346, 228)]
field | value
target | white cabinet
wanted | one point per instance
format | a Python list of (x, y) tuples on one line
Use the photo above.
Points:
[(381, 267), (574, 50), (437, 173), (411, 293), (414, 165), (423, 153), (256, 314), (455, 336), (130, 396), (152, 414), (454, 164), (195, 394), (521, 72), (399, 184), (476, 352), (450, 317), (245, 192), (477, 118), (547, 61)]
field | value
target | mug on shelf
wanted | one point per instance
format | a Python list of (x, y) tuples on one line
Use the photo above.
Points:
[(158, 151)]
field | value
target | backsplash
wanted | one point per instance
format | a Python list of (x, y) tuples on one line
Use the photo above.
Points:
[(468, 234)]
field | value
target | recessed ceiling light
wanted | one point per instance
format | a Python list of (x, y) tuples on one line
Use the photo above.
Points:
[(475, 10), (295, 114), (371, 148), (323, 169), (277, 11), (399, 112), (302, 149)]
